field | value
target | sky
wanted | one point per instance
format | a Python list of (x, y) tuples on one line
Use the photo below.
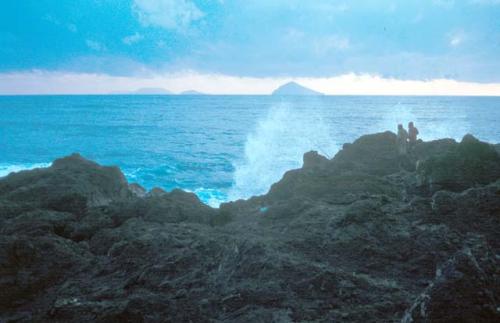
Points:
[(250, 46)]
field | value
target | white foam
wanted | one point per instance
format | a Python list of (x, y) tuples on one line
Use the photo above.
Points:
[(6, 169), (211, 197), (276, 146)]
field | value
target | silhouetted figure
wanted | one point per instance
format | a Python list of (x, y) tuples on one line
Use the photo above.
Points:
[(412, 134), (402, 140)]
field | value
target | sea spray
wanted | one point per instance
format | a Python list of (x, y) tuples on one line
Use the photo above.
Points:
[(277, 145), (6, 169)]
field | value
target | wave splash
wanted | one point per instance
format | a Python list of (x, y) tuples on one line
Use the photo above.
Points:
[(6, 169), (276, 146)]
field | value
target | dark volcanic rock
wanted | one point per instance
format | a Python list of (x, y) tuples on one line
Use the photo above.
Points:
[(371, 154), (469, 163), (356, 171), (363, 237), (314, 160), (68, 182), (466, 289)]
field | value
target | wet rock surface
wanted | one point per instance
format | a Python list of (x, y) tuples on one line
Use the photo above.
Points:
[(367, 236)]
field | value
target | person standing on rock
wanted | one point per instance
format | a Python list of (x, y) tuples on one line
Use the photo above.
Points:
[(402, 140), (412, 134)]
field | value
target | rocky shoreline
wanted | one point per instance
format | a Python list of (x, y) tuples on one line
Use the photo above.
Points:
[(367, 236)]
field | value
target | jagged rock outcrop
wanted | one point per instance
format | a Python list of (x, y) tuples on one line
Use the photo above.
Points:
[(463, 165), (367, 236), (370, 154)]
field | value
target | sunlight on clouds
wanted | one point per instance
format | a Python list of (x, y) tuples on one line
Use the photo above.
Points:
[(365, 84)]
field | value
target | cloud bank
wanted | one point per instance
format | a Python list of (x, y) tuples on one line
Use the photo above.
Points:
[(43, 82)]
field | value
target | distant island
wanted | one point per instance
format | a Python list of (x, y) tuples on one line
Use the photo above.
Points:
[(293, 88), (146, 91), (192, 92)]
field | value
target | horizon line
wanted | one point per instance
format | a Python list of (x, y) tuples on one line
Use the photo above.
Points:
[(247, 94), (351, 84)]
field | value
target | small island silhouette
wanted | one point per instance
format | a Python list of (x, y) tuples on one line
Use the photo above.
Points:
[(192, 92), (293, 88)]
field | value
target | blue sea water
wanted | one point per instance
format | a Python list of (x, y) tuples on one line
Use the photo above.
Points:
[(220, 147)]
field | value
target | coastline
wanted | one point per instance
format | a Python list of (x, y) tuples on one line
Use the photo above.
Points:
[(366, 234)]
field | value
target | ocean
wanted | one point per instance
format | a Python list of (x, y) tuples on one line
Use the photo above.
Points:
[(220, 147)]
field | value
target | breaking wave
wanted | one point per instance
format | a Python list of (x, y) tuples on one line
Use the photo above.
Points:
[(277, 145)]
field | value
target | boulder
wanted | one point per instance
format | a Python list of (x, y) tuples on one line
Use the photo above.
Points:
[(162, 207), (68, 181)]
